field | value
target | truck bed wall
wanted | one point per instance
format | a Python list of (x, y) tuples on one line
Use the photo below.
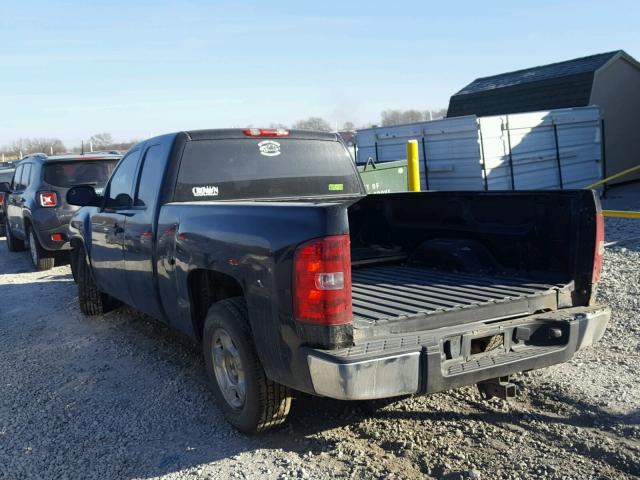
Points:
[(546, 235)]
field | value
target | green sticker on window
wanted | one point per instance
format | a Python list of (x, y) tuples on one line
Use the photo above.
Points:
[(336, 187)]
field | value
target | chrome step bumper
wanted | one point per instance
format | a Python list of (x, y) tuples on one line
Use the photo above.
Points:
[(437, 360)]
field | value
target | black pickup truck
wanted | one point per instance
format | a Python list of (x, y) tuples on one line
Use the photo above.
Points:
[(262, 245)]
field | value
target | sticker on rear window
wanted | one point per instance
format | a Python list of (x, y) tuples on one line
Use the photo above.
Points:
[(205, 191), (269, 148), (336, 187)]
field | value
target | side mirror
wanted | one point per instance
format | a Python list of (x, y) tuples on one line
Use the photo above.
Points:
[(83, 196), (5, 187)]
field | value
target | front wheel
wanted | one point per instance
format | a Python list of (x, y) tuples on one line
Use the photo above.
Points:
[(41, 259), (92, 301), (249, 400)]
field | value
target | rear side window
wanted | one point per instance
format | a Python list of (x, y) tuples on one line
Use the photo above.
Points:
[(26, 176), (121, 185), (15, 184), (264, 168), (88, 172), (150, 178)]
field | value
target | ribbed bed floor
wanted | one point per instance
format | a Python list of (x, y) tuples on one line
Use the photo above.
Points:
[(399, 291)]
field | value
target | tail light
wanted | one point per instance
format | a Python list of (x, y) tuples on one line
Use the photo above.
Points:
[(1, 198), (322, 281), (266, 132), (599, 248), (48, 199)]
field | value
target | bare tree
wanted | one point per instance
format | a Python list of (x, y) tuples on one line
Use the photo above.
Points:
[(105, 141), (348, 126), (313, 123), (101, 140), (398, 117), (25, 146)]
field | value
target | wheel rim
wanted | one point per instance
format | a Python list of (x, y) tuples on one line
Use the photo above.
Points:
[(228, 369), (32, 248)]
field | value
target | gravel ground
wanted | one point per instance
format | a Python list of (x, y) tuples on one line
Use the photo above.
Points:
[(121, 396)]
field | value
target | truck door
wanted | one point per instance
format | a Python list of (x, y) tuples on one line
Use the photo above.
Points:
[(140, 230), (108, 225)]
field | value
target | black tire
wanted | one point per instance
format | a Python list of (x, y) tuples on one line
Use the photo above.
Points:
[(14, 244), (92, 301), (41, 258), (266, 403)]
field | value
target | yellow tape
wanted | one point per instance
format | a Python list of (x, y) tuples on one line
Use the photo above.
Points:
[(620, 214), (613, 177)]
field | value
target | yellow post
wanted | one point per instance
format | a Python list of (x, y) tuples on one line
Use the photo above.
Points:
[(413, 166)]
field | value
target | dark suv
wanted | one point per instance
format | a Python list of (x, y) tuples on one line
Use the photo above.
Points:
[(37, 214), (6, 174)]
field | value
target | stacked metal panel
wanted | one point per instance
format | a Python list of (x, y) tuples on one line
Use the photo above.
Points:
[(539, 150), (450, 146)]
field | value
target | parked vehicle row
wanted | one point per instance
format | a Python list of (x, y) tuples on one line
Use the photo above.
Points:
[(263, 247), (36, 213), (6, 174)]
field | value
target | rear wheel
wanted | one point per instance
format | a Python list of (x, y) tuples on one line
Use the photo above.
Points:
[(92, 301), (249, 400), (14, 244), (42, 259)]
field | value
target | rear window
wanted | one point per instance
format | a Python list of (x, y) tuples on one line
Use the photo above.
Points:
[(264, 168), (89, 172)]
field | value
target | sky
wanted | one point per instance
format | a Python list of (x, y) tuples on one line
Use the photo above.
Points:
[(139, 68)]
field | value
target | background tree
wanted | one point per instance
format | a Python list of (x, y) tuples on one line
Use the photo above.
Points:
[(348, 126), (104, 141), (398, 117), (25, 146), (313, 123), (101, 140)]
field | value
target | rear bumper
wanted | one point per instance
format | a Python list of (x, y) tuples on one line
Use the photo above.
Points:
[(437, 360), (44, 237), (49, 221)]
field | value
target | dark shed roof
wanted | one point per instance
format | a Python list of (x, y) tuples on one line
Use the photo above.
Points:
[(558, 85)]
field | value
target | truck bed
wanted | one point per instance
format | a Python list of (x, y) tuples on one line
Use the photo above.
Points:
[(406, 295)]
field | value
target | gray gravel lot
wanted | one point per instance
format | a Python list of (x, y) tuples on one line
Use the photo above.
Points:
[(121, 396)]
